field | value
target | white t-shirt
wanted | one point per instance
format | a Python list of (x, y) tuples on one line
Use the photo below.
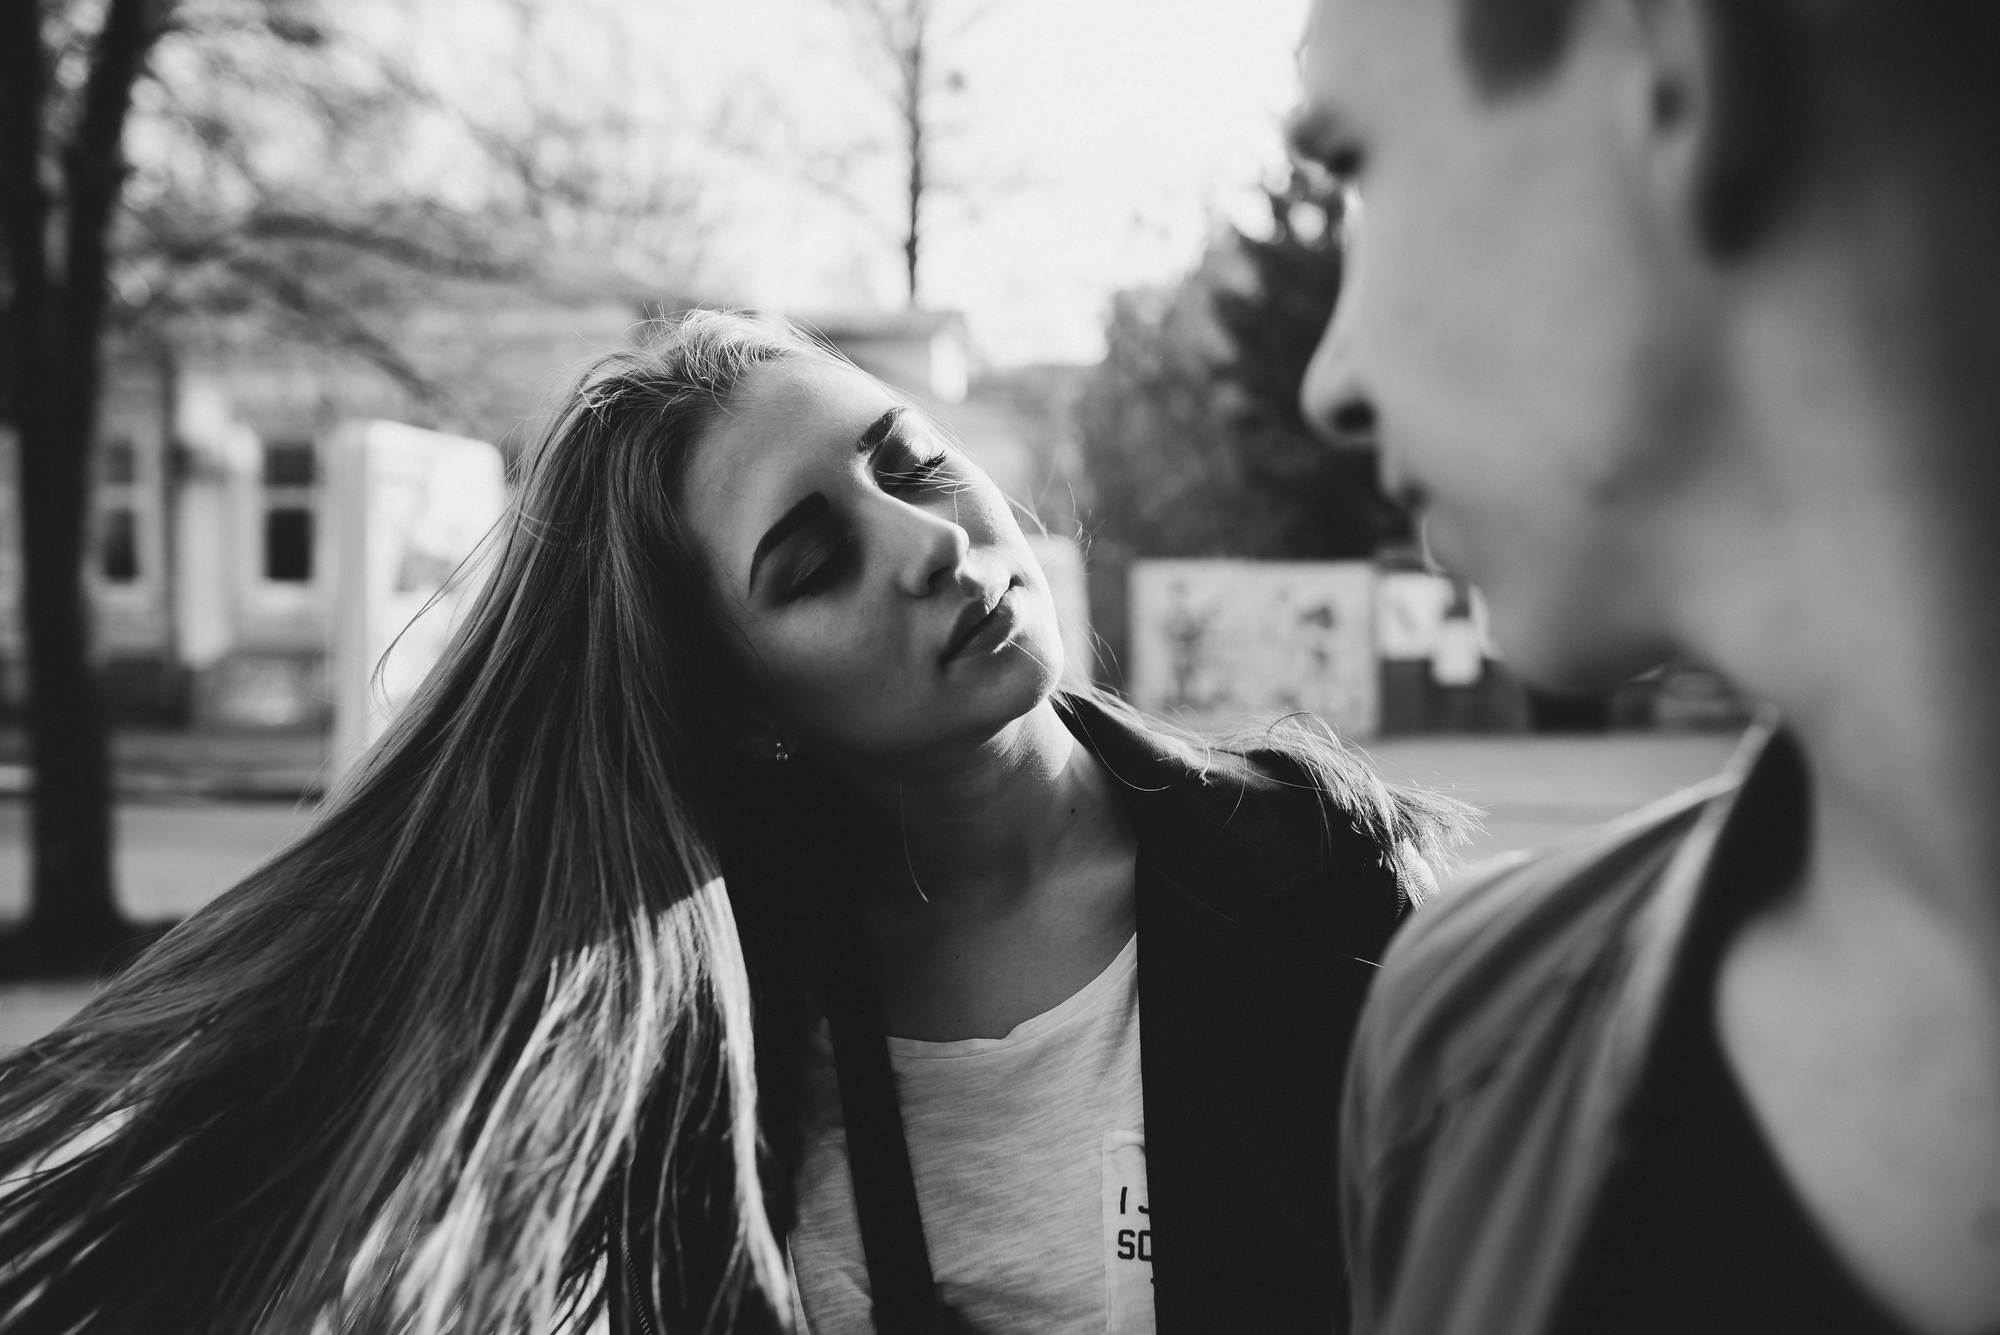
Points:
[(1030, 1162)]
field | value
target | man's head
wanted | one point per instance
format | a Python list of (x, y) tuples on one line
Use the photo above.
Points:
[(1582, 228)]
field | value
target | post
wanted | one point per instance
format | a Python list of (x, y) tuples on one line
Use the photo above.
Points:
[(410, 509)]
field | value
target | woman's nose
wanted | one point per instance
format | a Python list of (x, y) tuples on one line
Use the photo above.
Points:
[(930, 549)]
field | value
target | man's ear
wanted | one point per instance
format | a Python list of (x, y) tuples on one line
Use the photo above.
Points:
[(1720, 114)]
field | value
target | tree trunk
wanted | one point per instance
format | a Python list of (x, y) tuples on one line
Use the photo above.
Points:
[(914, 60), (914, 235), (74, 920), (71, 906)]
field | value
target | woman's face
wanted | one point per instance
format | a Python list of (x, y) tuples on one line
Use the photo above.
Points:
[(890, 608)]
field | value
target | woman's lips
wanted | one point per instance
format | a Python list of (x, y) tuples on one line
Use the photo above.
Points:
[(978, 633)]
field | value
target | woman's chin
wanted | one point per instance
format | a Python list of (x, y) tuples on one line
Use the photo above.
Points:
[(1016, 686)]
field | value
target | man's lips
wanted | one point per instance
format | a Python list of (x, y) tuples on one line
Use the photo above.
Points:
[(977, 617)]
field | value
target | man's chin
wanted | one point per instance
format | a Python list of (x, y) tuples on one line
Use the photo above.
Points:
[(1572, 653)]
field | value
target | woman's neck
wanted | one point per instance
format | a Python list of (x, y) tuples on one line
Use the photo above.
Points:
[(1004, 882), (975, 830)]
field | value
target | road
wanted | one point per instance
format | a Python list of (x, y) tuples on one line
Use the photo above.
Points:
[(1538, 790), (171, 857), (1535, 790)]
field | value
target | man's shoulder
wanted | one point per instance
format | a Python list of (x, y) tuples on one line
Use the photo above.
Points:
[(1469, 972)]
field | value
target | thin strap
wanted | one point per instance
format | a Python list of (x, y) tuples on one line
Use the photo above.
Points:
[(878, 1156)]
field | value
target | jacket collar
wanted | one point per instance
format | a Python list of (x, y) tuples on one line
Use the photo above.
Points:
[(1245, 1019), (1204, 821)]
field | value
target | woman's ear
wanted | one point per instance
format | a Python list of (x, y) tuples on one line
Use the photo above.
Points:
[(1718, 116)]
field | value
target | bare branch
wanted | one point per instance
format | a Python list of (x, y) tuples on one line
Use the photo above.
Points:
[(906, 33), (979, 15), (334, 324), (397, 246)]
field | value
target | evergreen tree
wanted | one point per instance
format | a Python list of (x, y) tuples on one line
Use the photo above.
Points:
[(1317, 501), (1191, 427)]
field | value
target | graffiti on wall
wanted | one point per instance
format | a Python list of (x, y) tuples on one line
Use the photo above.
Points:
[(1216, 642)]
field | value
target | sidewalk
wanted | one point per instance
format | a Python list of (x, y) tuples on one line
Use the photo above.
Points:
[(179, 844), (1536, 790), (196, 810), (189, 763)]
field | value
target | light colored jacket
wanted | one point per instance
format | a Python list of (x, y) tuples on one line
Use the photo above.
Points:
[(1502, 1042)]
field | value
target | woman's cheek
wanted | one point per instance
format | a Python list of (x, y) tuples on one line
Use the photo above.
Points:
[(836, 673)]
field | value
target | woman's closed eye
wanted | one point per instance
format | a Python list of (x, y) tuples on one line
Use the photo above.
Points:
[(911, 473), (821, 551), (910, 460), (820, 564)]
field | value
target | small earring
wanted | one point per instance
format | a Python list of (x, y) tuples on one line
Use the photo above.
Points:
[(780, 752)]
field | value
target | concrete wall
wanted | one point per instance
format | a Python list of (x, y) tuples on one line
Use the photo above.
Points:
[(1217, 642)]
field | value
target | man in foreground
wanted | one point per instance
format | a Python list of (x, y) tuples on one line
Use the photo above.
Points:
[(1682, 319)]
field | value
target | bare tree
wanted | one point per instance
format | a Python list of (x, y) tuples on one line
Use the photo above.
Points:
[(271, 197), (912, 40), (67, 104), (270, 193), (62, 172), (588, 176), (284, 194)]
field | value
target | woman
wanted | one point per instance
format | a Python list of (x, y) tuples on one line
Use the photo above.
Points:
[(476, 1053)]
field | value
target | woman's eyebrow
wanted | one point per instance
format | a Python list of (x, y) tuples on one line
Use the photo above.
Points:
[(878, 431), (794, 519)]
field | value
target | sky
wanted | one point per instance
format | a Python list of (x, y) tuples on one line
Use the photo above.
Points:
[(1096, 145)]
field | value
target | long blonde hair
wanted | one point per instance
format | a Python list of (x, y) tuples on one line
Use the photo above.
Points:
[(476, 1050)]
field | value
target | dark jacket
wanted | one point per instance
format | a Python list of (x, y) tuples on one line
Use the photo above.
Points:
[(1506, 1039), (1258, 921)]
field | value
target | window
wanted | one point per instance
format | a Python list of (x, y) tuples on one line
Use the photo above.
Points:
[(118, 503), (119, 463), (288, 545), (118, 545), (291, 468)]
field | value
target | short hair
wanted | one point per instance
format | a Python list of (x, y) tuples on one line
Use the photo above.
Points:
[(1510, 44), (1940, 52)]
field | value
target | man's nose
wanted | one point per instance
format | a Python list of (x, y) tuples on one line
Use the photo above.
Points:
[(1332, 399)]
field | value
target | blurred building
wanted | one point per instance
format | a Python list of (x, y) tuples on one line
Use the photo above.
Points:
[(209, 562)]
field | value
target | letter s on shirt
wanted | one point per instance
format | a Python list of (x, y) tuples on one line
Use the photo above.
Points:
[(1128, 1237)]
